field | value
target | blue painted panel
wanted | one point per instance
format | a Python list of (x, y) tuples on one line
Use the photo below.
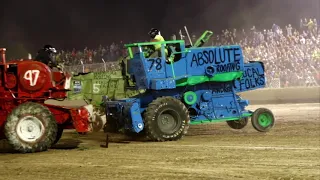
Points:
[(136, 118), (137, 67)]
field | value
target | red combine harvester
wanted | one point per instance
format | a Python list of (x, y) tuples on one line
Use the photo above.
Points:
[(26, 121)]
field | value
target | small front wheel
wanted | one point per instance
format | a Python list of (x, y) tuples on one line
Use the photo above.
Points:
[(262, 119)]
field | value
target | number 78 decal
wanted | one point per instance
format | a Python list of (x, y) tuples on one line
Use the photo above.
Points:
[(28, 75)]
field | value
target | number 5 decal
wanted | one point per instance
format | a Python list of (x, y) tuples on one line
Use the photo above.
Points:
[(96, 88), (28, 75)]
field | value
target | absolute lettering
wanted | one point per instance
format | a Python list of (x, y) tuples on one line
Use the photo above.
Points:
[(216, 56)]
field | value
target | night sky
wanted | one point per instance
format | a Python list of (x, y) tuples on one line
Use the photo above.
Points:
[(78, 23)]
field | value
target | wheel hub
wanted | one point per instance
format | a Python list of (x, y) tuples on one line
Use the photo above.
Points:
[(167, 119), (264, 120), (167, 123), (30, 129)]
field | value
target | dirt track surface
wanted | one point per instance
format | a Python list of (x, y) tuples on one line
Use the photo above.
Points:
[(291, 150)]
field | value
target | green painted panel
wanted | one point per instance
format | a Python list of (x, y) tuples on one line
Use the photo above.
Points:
[(97, 84)]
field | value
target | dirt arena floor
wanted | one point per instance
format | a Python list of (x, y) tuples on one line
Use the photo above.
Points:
[(291, 150)]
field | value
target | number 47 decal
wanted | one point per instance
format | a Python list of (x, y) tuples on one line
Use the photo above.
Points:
[(28, 75)]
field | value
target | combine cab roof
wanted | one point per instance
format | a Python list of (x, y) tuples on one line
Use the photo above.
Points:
[(152, 43), (129, 46)]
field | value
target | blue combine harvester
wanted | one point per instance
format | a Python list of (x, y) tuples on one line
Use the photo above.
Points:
[(188, 85)]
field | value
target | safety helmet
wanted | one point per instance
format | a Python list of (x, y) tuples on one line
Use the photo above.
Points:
[(49, 48), (153, 32)]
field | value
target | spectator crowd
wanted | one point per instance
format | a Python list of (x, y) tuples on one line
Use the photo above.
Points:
[(90, 56), (291, 55)]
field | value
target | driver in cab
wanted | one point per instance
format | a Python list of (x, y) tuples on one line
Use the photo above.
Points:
[(46, 56), (156, 37)]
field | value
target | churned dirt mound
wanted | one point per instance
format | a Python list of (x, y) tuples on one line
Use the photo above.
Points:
[(291, 150)]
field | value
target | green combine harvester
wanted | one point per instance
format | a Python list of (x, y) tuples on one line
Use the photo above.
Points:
[(92, 86)]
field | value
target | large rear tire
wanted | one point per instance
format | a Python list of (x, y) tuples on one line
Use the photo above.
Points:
[(31, 127), (166, 119)]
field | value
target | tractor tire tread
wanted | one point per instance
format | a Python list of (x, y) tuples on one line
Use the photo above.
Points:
[(149, 117), (48, 120)]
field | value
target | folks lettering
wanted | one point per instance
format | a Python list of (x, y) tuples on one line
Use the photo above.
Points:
[(252, 78)]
